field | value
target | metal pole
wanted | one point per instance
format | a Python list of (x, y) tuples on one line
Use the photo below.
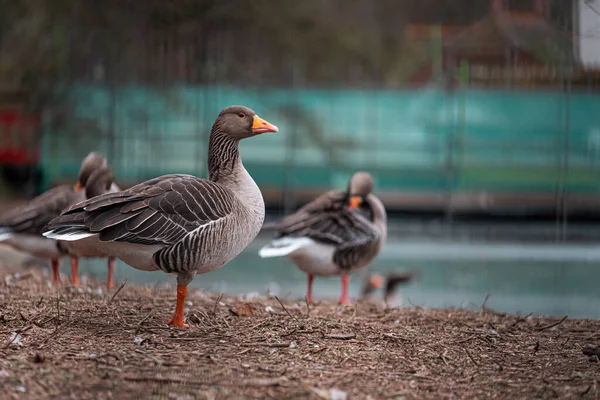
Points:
[(289, 195), (450, 143), (559, 194), (567, 149)]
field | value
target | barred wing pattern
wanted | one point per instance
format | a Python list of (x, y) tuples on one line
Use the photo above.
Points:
[(163, 210), (32, 217), (327, 220)]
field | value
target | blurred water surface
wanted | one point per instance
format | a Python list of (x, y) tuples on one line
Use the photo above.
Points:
[(458, 270)]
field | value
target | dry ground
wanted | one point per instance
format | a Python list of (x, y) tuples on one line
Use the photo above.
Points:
[(90, 344)]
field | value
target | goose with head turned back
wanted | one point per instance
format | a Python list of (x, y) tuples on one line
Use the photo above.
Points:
[(179, 223), (21, 227), (101, 181), (335, 234), (371, 282)]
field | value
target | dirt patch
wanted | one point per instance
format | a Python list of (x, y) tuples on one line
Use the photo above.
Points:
[(90, 344)]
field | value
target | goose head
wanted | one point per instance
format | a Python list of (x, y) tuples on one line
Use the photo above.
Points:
[(239, 122), (99, 182), (371, 283), (91, 163), (360, 186)]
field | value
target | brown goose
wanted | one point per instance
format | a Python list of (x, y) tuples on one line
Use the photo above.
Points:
[(179, 223), (21, 227), (101, 181), (390, 282), (335, 234)]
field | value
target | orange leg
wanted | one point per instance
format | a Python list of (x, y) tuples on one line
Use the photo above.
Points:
[(177, 319), (344, 299), (309, 297), (75, 271), (111, 270), (55, 273)]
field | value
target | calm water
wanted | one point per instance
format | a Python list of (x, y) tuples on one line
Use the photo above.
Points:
[(525, 277)]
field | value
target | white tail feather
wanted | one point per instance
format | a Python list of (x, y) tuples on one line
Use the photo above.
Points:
[(5, 236), (284, 246), (69, 237)]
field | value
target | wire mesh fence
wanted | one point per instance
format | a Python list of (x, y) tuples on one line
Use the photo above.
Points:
[(452, 107)]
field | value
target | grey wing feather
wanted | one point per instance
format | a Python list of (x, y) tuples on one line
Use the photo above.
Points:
[(350, 253), (326, 219), (33, 216), (159, 211)]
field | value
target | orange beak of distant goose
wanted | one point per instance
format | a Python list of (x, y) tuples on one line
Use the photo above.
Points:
[(78, 186), (376, 281), (259, 125), (354, 202)]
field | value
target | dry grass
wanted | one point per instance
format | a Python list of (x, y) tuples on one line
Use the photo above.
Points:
[(90, 345)]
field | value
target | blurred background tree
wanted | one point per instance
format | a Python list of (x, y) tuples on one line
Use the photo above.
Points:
[(219, 40)]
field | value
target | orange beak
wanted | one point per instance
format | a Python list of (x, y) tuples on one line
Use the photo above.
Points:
[(78, 186), (354, 202), (376, 281), (259, 125)]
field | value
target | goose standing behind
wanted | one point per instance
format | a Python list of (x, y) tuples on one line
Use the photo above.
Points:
[(101, 181), (179, 223), (21, 227), (335, 234)]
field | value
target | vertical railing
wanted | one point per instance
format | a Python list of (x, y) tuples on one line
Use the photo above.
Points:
[(567, 150), (449, 105), (291, 142)]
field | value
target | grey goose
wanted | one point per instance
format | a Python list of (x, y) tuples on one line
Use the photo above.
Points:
[(335, 234), (101, 181), (179, 223), (21, 227)]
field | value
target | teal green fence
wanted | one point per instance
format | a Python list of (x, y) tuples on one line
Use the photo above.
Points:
[(411, 140)]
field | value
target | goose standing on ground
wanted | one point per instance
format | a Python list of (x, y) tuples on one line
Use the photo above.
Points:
[(21, 228), (179, 223), (101, 181), (335, 234)]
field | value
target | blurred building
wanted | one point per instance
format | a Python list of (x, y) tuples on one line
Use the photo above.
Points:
[(463, 106), (587, 28)]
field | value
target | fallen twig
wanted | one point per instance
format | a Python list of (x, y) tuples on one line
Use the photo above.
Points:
[(471, 357), (307, 306), (520, 319), (53, 334), (58, 310), (586, 391), (17, 334), (285, 309), (467, 339), (117, 292), (216, 304), (340, 336), (146, 317), (483, 307), (543, 328), (264, 382), (281, 344), (161, 379)]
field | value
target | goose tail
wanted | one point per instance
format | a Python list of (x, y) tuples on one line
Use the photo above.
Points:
[(69, 234), (5, 234), (284, 246)]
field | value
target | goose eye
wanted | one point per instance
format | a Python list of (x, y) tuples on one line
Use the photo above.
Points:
[(241, 115)]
